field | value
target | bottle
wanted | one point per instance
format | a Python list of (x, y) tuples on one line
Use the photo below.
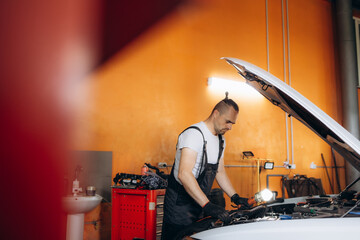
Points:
[(144, 170)]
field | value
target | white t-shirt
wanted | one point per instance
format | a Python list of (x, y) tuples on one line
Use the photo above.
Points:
[(193, 139)]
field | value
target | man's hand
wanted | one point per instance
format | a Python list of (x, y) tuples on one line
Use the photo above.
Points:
[(216, 211), (242, 203)]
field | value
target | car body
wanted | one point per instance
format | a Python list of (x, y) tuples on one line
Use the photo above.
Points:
[(316, 217)]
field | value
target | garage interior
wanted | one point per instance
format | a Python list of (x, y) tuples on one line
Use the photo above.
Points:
[(109, 85)]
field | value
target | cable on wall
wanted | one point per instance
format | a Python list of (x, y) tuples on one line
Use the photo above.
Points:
[(289, 71), (285, 80)]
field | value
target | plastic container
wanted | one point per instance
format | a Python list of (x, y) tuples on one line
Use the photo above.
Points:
[(90, 191)]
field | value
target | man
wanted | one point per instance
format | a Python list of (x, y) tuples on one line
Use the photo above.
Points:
[(198, 161)]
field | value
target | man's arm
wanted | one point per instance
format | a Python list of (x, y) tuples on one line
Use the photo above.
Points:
[(223, 180), (225, 184), (186, 177)]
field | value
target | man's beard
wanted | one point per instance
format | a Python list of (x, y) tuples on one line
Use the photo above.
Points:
[(221, 131)]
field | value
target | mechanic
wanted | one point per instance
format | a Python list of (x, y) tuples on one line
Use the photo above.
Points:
[(198, 161)]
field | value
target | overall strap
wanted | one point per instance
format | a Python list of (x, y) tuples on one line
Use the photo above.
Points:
[(204, 154), (197, 128), (221, 146)]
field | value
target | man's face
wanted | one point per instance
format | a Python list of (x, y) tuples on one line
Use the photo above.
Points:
[(223, 122)]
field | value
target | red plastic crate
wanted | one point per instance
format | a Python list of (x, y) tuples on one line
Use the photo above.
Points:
[(134, 213)]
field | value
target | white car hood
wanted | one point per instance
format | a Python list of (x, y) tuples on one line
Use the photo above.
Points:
[(298, 229), (296, 105)]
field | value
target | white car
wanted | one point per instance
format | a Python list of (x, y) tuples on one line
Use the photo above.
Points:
[(329, 217)]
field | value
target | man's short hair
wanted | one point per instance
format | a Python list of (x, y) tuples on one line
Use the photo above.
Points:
[(224, 104)]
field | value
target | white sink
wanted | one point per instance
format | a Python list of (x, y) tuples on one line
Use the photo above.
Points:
[(76, 207), (80, 204)]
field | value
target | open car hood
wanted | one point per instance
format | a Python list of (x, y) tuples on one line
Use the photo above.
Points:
[(296, 105)]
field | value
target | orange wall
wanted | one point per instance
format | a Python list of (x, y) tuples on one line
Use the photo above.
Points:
[(139, 101)]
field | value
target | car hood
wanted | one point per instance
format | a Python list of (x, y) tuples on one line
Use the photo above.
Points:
[(296, 105), (297, 229)]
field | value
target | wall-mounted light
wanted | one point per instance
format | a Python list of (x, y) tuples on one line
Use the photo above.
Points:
[(223, 83), (269, 165), (237, 88), (247, 154)]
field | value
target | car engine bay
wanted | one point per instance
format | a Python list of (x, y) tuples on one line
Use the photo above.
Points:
[(342, 205)]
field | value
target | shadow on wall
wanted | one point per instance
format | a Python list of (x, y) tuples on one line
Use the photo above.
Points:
[(96, 167), (125, 20)]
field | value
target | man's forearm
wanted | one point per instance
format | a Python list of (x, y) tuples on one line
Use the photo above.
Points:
[(192, 188), (224, 183)]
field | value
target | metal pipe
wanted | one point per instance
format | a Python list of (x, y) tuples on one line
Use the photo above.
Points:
[(276, 175), (288, 40), (267, 36), (289, 71), (330, 167), (285, 80), (348, 74), (248, 166), (258, 175), (285, 75), (292, 139), (327, 173), (244, 166), (283, 35), (254, 166), (336, 171)]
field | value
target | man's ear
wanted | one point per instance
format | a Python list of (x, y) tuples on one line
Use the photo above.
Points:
[(216, 113)]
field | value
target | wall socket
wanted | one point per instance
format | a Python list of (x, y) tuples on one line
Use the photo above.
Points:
[(162, 165), (312, 165), (289, 166)]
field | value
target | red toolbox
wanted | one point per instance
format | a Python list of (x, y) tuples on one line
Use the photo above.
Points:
[(136, 214)]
